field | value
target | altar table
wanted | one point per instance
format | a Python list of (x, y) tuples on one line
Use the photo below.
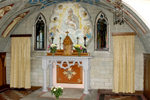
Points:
[(47, 62)]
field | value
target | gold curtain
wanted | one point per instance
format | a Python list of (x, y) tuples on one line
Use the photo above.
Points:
[(20, 62), (124, 63)]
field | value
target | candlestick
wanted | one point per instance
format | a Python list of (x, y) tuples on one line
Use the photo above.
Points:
[(52, 39), (84, 41), (77, 40), (84, 50), (60, 42)]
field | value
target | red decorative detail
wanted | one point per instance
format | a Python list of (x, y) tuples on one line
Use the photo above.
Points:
[(14, 22), (108, 1), (5, 9), (75, 79)]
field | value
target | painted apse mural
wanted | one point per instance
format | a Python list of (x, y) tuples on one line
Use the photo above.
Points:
[(72, 19), (69, 18)]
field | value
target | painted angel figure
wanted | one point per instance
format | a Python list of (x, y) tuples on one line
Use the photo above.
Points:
[(72, 21)]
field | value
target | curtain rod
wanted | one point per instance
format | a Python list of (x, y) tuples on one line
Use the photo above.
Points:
[(21, 35), (123, 34)]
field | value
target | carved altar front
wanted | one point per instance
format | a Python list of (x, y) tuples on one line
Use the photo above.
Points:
[(71, 75), (70, 63)]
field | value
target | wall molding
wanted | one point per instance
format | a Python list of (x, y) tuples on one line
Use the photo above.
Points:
[(123, 33), (21, 35)]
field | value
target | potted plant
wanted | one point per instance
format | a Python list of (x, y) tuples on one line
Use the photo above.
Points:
[(53, 48), (57, 91), (79, 48)]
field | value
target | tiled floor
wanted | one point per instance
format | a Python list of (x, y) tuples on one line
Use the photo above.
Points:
[(16, 94), (34, 94), (37, 96), (109, 95)]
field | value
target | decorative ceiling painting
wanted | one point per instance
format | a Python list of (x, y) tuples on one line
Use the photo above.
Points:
[(2, 1), (5, 9), (72, 19), (46, 3), (13, 23)]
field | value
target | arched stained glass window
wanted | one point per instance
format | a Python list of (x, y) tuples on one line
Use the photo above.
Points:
[(40, 33), (101, 33)]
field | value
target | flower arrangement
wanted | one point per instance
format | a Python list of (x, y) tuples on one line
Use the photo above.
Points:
[(57, 91), (79, 48), (53, 48)]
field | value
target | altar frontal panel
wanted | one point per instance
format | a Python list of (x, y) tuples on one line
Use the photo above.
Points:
[(72, 75)]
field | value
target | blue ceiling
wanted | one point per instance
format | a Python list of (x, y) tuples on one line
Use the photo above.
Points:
[(46, 3)]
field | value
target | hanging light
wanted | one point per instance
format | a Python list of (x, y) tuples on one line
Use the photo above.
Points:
[(118, 12)]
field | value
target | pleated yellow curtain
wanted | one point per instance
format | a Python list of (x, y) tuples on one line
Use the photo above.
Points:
[(124, 64), (20, 62)]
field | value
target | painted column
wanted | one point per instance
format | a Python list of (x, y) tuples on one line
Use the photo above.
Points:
[(44, 67), (51, 74), (89, 68), (86, 76)]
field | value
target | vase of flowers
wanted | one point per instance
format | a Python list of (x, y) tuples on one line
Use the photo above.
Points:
[(79, 48), (57, 91), (52, 48)]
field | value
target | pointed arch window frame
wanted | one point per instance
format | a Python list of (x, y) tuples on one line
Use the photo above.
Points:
[(95, 33), (45, 32)]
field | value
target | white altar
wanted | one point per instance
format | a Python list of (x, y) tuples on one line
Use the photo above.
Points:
[(47, 62)]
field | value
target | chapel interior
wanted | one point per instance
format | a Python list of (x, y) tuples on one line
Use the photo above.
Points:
[(93, 49)]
